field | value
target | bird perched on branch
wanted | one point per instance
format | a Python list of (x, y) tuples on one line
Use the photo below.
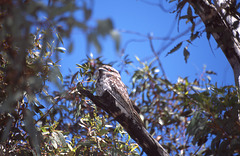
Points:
[(109, 79)]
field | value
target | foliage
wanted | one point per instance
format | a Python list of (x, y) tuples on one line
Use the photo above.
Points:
[(31, 120), (216, 118), (41, 112), (188, 118), (185, 12)]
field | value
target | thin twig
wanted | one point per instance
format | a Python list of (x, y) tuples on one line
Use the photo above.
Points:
[(157, 57), (160, 5)]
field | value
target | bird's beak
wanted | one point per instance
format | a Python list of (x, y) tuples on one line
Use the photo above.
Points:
[(101, 70)]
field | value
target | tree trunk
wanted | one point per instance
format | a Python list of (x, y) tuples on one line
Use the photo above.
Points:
[(222, 22)]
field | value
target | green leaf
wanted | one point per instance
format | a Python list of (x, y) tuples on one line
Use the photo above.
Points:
[(61, 139), (189, 11), (87, 12), (59, 37), (87, 143), (208, 35), (93, 39), (73, 77), (79, 66), (102, 132), (60, 49), (180, 5), (193, 26), (70, 47), (7, 129), (186, 113), (56, 138), (116, 37), (186, 54), (53, 142), (104, 26), (175, 48), (137, 58), (31, 129), (184, 17), (194, 36), (192, 127), (211, 72), (56, 73), (64, 108)]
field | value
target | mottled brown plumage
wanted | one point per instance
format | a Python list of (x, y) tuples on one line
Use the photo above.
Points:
[(109, 79)]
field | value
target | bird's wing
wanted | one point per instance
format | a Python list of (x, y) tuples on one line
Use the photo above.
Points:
[(125, 103)]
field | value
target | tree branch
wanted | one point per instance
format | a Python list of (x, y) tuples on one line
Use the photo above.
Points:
[(135, 129)]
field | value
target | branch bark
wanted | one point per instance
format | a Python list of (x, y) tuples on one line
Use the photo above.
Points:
[(220, 24), (135, 129)]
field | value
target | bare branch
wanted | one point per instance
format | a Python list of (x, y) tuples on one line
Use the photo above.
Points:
[(157, 57)]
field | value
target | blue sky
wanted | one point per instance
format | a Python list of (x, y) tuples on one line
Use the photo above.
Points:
[(136, 16)]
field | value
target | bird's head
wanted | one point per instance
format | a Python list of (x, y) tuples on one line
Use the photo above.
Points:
[(106, 70)]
